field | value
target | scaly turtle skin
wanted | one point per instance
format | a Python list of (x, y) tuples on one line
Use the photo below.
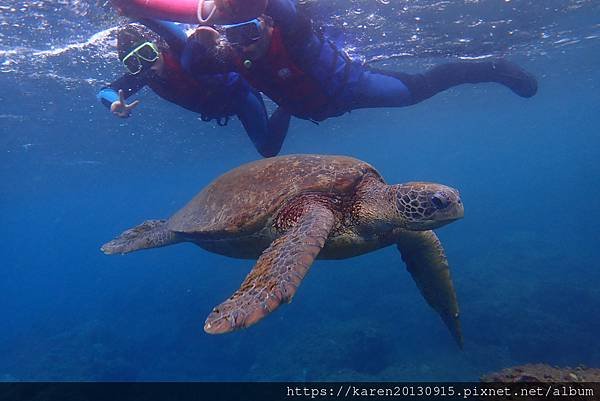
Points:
[(287, 211)]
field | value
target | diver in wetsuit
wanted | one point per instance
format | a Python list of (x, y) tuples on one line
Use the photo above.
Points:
[(281, 54), (153, 57)]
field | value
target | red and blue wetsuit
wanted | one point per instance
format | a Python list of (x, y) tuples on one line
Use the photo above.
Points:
[(213, 96), (310, 78)]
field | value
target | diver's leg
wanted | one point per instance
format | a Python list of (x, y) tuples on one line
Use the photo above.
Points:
[(379, 88), (266, 134), (445, 76)]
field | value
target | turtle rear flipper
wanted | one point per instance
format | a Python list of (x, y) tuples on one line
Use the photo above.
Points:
[(149, 234), (427, 263), (277, 273)]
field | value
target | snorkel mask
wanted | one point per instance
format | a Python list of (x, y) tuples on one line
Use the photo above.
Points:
[(140, 57), (243, 34)]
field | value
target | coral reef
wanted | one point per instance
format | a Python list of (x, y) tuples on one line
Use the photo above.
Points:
[(543, 373), (540, 381)]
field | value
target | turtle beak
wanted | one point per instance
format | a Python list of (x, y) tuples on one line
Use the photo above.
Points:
[(459, 207), (459, 210)]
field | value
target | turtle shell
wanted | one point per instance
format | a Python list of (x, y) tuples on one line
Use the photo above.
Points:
[(241, 201)]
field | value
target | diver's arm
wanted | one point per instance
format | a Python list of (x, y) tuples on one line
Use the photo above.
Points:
[(172, 33), (278, 126), (107, 96), (114, 95), (267, 134)]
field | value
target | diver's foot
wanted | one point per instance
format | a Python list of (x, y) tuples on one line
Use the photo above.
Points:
[(516, 78)]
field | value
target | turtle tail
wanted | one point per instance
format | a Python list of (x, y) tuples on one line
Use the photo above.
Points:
[(149, 234)]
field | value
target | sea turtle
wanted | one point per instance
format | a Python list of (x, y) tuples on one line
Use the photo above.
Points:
[(287, 211)]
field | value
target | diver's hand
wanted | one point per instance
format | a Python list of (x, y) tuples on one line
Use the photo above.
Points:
[(121, 108)]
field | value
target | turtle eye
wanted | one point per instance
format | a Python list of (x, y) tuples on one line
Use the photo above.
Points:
[(440, 200)]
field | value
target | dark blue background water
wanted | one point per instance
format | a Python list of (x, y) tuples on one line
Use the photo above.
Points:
[(524, 258)]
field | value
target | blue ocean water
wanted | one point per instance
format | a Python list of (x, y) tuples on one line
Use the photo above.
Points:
[(524, 258)]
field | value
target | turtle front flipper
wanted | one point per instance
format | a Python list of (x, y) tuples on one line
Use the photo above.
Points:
[(276, 274), (427, 263), (149, 234)]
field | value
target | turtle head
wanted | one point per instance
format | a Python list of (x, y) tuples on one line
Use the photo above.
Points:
[(426, 206)]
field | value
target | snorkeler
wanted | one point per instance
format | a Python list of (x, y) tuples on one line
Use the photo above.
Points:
[(280, 54), (153, 57)]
